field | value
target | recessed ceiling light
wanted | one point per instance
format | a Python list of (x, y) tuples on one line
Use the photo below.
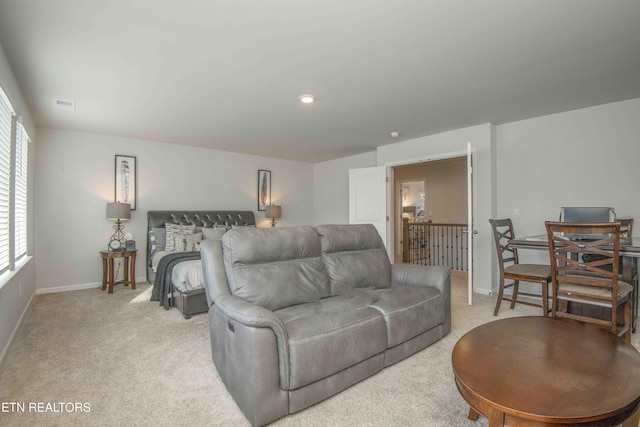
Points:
[(394, 134), (307, 99)]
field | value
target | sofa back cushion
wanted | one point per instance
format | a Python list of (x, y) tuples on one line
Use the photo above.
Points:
[(275, 267), (355, 257)]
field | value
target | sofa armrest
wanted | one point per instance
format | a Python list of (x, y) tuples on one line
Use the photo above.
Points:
[(420, 275), (248, 314), (423, 275), (254, 316)]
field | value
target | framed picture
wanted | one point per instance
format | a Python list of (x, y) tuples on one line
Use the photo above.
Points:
[(125, 180), (264, 189)]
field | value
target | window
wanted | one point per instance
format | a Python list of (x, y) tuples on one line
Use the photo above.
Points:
[(6, 114), (20, 191), (14, 152)]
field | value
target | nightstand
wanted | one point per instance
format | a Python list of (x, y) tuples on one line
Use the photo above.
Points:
[(129, 268)]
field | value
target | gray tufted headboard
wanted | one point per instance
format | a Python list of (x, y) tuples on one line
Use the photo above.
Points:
[(205, 219)]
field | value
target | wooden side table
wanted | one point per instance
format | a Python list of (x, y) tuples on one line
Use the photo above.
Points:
[(129, 268)]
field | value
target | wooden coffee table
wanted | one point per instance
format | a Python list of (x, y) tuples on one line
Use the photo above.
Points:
[(527, 371)]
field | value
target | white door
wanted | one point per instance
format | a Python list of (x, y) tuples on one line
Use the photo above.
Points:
[(368, 198), (470, 226)]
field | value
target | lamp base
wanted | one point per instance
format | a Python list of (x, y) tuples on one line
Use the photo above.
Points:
[(117, 241)]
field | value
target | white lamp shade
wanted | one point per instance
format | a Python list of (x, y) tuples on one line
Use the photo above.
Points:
[(118, 211), (273, 211)]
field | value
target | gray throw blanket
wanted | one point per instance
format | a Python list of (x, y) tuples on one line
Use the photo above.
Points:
[(162, 287)]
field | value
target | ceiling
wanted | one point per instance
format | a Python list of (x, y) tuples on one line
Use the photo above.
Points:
[(227, 74)]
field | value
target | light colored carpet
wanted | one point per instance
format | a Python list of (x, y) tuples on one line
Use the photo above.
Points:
[(134, 363)]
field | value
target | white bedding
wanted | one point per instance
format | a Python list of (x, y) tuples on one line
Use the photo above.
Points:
[(186, 276)]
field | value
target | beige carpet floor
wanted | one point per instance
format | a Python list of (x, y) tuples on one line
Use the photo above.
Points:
[(129, 362)]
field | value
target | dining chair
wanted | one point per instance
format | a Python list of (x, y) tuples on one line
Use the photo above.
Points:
[(511, 269), (589, 281), (626, 225)]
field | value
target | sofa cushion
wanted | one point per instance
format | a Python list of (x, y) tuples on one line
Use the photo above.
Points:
[(275, 267), (408, 310), (331, 335), (355, 257)]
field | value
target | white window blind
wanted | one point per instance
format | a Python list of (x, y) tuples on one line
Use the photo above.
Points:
[(20, 205), (6, 113)]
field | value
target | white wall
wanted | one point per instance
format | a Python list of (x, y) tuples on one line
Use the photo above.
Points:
[(482, 138), (331, 187), (17, 288), (75, 180), (586, 157)]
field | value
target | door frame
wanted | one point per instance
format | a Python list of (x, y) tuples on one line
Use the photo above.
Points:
[(411, 161), (423, 159)]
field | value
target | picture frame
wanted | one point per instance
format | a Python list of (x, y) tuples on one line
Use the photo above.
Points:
[(130, 245), (125, 182), (264, 189)]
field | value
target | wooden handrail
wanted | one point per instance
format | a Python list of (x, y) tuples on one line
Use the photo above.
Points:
[(435, 224)]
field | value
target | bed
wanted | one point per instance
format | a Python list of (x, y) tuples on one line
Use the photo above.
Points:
[(173, 261)]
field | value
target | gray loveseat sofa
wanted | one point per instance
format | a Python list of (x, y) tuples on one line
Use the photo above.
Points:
[(298, 314)]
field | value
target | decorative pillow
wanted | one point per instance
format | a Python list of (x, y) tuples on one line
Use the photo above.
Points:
[(214, 233), (157, 238), (172, 229), (187, 242), (152, 243), (244, 226)]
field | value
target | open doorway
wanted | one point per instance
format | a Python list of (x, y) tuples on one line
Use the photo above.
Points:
[(430, 213), (409, 198)]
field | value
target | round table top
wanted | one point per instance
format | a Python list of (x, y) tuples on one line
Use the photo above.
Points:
[(545, 369)]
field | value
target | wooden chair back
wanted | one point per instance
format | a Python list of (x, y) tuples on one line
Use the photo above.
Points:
[(626, 225), (502, 233), (579, 276)]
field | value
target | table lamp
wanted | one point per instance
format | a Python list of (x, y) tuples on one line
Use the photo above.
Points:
[(273, 212), (118, 212)]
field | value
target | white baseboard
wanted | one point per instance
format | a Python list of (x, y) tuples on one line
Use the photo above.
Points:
[(10, 340), (79, 287), (68, 288), (483, 291)]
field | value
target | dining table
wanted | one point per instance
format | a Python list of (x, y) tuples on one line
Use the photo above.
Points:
[(629, 253)]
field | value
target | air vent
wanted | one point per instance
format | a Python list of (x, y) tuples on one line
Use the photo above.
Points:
[(65, 105)]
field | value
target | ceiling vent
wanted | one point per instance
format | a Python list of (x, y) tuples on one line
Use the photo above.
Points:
[(65, 105)]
